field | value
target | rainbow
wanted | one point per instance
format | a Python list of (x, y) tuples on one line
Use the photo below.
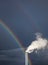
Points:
[(14, 36)]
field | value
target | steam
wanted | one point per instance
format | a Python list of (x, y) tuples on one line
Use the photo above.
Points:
[(39, 43)]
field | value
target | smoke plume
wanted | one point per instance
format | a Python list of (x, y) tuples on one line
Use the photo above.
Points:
[(39, 43)]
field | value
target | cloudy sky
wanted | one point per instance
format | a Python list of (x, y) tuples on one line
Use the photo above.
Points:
[(24, 18)]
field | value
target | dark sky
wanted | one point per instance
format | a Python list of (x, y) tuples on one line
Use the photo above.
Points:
[(25, 18)]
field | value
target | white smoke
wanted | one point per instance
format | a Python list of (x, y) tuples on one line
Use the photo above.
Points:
[(39, 43)]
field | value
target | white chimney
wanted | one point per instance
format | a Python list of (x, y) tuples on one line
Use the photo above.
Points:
[(26, 58)]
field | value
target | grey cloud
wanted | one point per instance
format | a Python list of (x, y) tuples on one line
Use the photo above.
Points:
[(12, 55)]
